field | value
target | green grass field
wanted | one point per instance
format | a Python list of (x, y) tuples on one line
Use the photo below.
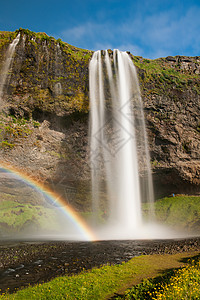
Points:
[(180, 211), (18, 217)]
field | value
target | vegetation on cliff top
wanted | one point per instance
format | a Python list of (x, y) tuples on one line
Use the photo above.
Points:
[(160, 75), (47, 74), (7, 36), (55, 74)]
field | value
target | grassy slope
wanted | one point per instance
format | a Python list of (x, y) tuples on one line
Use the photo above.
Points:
[(175, 284), (103, 282), (15, 217), (182, 211), (163, 76)]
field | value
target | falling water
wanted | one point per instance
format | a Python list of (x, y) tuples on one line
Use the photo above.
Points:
[(46, 56), (58, 61), (118, 144), (7, 65)]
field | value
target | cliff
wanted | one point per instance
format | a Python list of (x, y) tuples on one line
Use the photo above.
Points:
[(44, 116)]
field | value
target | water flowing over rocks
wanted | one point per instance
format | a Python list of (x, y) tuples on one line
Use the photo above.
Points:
[(48, 89)]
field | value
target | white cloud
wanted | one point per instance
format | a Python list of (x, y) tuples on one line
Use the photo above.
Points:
[(167, 32), (89, 32), (134, 49), (156, 35), (75, 32)]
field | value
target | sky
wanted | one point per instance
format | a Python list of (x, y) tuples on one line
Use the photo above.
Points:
[(148, 28)]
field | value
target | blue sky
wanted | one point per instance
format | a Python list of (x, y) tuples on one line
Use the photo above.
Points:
[(149, 28)]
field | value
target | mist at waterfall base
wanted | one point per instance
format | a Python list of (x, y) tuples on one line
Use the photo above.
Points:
[(120, 162)]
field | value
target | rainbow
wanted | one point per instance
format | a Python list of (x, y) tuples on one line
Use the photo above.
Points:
[(71, 214)]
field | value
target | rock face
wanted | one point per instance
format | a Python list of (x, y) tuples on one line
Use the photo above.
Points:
[(172, 106), (44, 124), (47, 76)]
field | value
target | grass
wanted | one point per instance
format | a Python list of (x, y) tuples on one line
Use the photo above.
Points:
[(100, 283), (179, 284), (182, 211), (183, 285), (5, 37), (159, 66), (16, 216), (160, 76), (179, 212), (14, 130), (78, 53)]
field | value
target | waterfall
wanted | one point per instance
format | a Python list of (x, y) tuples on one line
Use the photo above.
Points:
[(119, 154), (58, 58), (7, 65), (46, 57)]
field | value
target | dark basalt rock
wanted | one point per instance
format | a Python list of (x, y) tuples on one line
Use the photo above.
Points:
[(171, 58), (48, 87)]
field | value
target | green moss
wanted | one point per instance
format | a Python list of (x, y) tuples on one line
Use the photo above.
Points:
[(36, 124), (5, 38), (186, 145), (182, 211), (78, 103), (13, 130), (163, 76), (16, 215), (37, 72), (6, 144)]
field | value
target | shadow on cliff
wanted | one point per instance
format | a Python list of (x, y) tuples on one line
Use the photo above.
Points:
[(71, 176)]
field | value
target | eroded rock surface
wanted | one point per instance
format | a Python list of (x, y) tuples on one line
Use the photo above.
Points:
[(44, 122)]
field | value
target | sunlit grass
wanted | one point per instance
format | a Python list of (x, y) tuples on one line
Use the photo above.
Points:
[(180, 211), (95, 284), (17, 215), (105, 282), (183, 284)]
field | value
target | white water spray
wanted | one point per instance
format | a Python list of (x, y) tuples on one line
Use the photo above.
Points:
[(118, 144), (7, 65)]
